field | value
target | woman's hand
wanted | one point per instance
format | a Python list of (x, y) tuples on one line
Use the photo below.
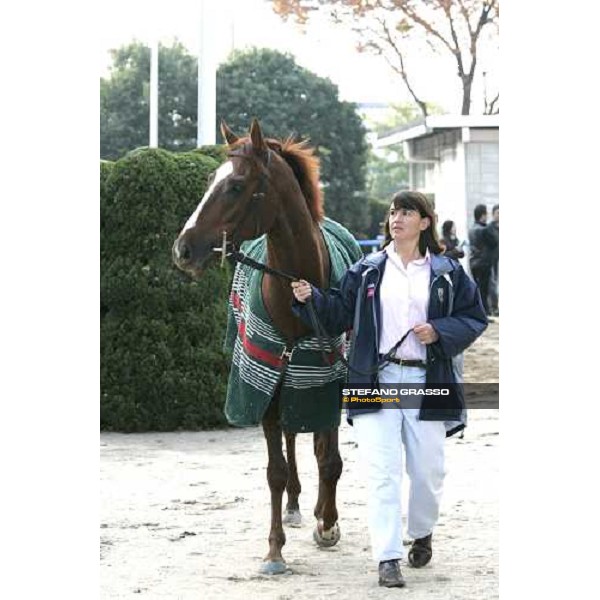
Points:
[(302, 290), (426, 333)]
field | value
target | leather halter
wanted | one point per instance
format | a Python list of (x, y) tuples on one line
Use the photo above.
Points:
[(259, 194)]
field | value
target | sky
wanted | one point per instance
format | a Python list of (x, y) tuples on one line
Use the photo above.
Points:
[(325, 49)]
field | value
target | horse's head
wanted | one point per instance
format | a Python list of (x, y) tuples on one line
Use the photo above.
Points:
[(239, 201)]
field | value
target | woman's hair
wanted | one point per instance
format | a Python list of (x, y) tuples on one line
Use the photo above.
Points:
[(417, 201), (447, 228)]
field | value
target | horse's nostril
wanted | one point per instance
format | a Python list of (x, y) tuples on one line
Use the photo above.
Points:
[(181, 252), (184, 252)]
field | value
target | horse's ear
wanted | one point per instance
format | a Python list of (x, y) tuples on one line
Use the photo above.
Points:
[(229, 136), (258, 141)]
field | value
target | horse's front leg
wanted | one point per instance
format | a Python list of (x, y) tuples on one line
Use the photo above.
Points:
[(292, 516), (327, 531), (277, 476)]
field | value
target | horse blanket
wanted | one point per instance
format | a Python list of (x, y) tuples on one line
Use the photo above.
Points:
[(310, 389)]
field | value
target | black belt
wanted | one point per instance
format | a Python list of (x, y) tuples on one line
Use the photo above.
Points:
[(406, 363)]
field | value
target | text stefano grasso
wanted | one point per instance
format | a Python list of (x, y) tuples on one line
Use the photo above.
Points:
[(419, 391)]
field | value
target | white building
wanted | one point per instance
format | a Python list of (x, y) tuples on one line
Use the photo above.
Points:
[(454, 159)]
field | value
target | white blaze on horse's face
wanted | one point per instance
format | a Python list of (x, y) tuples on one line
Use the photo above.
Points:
[(224, 171)]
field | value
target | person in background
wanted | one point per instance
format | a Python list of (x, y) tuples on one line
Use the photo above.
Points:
[(481, 244), (494, 231), (450, 241), (403, 291)]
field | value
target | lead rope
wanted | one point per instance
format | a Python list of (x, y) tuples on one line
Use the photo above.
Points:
[(320, 331)]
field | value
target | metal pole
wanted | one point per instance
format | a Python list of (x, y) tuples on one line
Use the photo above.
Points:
[(154, 94), (207, 77)]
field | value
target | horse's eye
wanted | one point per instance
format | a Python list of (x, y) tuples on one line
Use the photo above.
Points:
[(236, 188)]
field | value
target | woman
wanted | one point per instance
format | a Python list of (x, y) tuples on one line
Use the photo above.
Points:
[(450, 241), (407, 286)]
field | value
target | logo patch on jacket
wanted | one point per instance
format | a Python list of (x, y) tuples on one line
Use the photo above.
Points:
[(370, 290), (440, 294)]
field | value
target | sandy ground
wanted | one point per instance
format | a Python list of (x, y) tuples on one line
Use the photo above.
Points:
[(186, 516)]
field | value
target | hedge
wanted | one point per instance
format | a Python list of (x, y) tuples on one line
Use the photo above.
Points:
[(162, 365)]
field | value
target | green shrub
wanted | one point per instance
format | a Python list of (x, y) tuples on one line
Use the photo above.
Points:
[(218, 152), (162, 367)]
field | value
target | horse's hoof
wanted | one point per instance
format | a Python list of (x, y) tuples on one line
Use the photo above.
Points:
[(292, 518), (272, 567), (326, 537)]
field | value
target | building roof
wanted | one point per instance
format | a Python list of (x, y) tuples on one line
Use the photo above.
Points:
[(430, 124)]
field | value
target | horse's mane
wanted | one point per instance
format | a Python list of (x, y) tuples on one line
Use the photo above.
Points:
[(305, 165)]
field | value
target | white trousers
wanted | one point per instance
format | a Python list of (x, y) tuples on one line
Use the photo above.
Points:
[(380, 437)]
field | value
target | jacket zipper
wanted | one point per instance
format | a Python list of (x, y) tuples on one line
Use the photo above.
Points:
[(375, 315)]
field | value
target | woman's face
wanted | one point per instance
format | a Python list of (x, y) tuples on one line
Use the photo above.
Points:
[(453, 231), (406, 224)]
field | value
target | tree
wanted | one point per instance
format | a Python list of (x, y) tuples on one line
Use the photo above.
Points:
[(387, 169), (389, 27), (262, 83), (290, 100), (124, 100)]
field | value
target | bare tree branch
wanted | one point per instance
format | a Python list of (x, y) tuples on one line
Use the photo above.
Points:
[(467, 17), (491, 109), (441, 20), (402, 70), (414, 16), (484, 17), (457, 52)]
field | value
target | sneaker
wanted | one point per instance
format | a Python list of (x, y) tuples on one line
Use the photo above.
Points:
[(420, 552), (390, 574)]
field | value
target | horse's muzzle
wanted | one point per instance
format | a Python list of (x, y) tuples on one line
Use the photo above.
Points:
[(191, 256), (182, 254)]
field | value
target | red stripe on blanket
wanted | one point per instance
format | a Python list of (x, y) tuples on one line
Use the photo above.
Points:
[(256, 352), (235, 300), (274, 360)]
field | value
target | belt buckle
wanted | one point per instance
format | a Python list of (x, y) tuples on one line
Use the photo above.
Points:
[(286, 354)]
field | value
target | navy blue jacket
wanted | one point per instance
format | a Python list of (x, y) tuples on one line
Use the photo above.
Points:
[(455, 311)]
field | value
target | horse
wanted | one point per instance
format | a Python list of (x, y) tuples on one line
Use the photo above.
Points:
[(267, 198)]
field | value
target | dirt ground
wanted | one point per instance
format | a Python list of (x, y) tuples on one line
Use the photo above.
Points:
[(186, 516)]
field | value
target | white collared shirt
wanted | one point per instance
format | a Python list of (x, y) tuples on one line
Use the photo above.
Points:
[(404, 295)]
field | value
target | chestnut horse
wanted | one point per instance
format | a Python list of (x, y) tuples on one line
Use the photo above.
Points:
[(271, 187)]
